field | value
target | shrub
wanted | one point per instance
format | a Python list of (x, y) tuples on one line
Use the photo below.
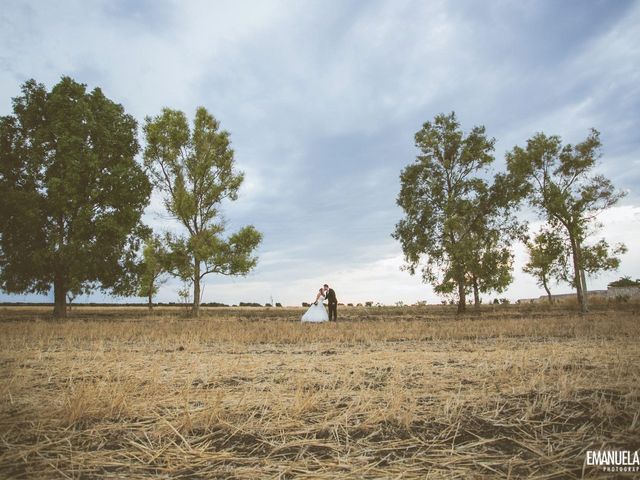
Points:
[(625, 282)]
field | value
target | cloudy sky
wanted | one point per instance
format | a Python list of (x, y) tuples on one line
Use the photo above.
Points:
[(323, 98)]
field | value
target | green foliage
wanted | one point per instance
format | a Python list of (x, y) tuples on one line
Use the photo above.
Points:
[(456, 225), (547, 259), (600, 257), (154, 264), (194, 169), (625, 282), (557, 180), (71, 193), (490, 263)]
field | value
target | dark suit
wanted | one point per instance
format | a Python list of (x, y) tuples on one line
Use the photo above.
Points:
[(333, 305)]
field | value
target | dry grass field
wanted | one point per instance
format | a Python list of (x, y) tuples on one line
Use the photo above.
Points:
[(407, 392)]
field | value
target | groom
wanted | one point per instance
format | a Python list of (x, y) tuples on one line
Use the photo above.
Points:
[(333, 302)]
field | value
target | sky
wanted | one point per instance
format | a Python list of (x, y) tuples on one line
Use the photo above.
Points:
[(322, 100)]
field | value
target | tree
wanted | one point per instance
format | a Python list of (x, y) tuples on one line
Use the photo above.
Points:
[(547, 259), (625, 282), (71, 193), (453, 218), (491, 264), (491, 257), (153, 265), (194, 169), (557, 181)]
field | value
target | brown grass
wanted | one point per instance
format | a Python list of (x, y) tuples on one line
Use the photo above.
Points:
[(251, 393)]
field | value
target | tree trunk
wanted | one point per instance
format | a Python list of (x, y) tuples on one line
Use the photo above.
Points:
[(150, 302), (577, 278), (546, 288), (476, 294), (583, 279), (60, 298), (462, 301), (59, 286), (585, 291), (196, 289)]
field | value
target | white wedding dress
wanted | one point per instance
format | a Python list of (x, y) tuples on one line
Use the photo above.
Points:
[(316, 313)]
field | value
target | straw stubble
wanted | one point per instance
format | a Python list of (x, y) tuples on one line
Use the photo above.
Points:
[(396, 395)]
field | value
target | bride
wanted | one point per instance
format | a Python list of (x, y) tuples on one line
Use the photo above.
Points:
[(316, 312)]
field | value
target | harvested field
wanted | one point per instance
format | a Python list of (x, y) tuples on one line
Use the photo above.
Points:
[(251, 393)]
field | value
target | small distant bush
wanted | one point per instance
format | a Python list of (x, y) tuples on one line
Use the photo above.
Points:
[(625, 282), (278, 304), (214, 304), (305, 304), (368, 304), (268, 305), (349, 304)]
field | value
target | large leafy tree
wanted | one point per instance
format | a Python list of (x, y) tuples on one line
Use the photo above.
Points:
[(194, 169), (452, 225), (558, 180), (71, 193)]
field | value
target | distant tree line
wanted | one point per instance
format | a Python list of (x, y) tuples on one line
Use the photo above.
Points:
[(72, 195), (461, 219)]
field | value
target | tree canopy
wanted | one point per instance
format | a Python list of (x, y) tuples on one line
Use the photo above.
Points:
[(194, 170), (456, 223), (71, 193), (557, 180)]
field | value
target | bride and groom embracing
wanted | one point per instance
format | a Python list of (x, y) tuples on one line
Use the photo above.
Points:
[(317, 312)]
